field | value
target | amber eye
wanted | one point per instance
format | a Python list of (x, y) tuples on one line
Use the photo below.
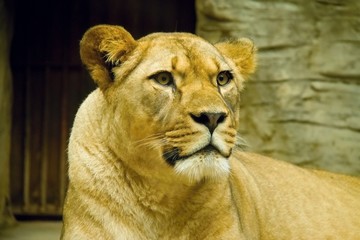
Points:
[(224, 78), (163, 78)]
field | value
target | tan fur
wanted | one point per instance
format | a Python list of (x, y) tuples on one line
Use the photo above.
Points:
[(138, 166)]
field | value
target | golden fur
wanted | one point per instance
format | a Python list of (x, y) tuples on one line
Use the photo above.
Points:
[(154, 151)]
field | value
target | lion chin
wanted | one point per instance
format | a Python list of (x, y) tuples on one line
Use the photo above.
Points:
[(205, 164)]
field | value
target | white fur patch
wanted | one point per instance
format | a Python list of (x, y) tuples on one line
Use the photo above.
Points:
[(211, 166), (218, 142)]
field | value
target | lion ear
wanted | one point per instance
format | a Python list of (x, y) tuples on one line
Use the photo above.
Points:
[(242, 52), (103, 47)]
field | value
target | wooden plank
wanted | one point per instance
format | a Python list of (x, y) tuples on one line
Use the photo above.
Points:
[(64, 136), (35, 123), (27, 159), (45, 142), (54, 136), (17, 138)]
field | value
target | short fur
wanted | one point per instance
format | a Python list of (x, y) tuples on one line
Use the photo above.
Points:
[(149, 160)]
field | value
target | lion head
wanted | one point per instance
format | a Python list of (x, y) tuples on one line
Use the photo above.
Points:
[(168, 103)]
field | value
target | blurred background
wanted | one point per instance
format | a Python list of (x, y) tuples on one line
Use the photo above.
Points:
[(302, 105)]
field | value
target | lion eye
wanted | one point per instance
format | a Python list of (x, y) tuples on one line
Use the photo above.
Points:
[(224, 78), (163, 78)]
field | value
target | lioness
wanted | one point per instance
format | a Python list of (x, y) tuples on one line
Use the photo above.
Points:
[(154, 151)]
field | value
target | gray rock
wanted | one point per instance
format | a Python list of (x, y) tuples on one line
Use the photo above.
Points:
[(303, 104)]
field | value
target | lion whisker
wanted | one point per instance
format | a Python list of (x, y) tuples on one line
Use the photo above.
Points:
[(151, 142), (241, 143)]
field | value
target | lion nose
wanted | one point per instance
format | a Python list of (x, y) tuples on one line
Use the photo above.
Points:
[(209, 119)]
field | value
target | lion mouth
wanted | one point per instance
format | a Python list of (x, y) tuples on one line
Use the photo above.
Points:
[(173, 155), (207, 149)]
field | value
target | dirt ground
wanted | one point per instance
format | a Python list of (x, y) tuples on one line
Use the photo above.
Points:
[(33, 230)]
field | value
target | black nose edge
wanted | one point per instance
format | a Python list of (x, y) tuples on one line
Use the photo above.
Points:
[(209, 119)]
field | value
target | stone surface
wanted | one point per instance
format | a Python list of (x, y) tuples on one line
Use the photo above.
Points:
[(303, 104)]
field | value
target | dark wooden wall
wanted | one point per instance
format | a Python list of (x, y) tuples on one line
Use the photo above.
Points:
[(50, 82)]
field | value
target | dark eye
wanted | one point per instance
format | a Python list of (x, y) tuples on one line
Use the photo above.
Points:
[(224, 78), (163, 78)]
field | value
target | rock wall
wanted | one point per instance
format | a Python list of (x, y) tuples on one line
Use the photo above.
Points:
[(5, 115), (303, 104)]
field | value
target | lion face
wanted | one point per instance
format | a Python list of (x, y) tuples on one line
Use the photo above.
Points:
[(173, 99)]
